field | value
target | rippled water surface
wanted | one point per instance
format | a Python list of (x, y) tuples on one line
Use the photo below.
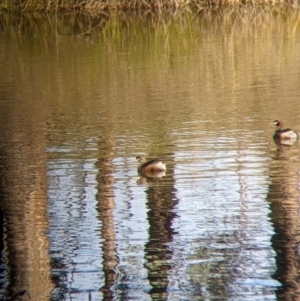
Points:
[(80, 98)]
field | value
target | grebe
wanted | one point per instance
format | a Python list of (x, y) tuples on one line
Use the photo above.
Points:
[(283, 134), (151, 165)]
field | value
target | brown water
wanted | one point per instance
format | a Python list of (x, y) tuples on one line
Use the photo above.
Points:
[(201, 93)]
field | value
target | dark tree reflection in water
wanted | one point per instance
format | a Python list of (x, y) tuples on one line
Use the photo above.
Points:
[(284, 201), (106, 205)]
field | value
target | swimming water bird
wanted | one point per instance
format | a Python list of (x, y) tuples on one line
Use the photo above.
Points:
[(150, 166), (283, 134)]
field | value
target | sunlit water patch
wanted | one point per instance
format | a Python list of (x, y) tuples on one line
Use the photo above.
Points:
[(222, 218), (75, 244)]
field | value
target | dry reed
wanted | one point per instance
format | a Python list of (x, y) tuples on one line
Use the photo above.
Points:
[(132, 5)]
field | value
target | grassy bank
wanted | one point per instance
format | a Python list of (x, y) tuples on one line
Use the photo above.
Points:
[(132, 5)]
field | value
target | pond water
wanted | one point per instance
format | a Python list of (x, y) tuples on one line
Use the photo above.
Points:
[(82, 96)]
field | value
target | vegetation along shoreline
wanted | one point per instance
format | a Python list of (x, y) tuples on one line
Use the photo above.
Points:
[(134, 5)]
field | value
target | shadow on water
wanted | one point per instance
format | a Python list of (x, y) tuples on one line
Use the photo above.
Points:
[(283, 197)]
